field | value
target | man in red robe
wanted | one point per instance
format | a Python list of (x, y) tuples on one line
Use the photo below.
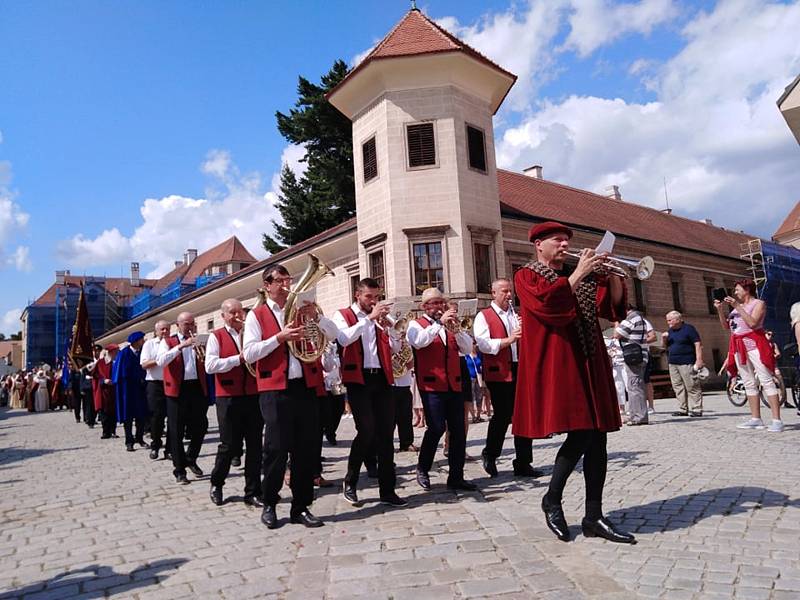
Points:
[(105, 399), (565, 382)]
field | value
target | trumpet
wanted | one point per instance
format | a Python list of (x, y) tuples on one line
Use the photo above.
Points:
[(622, 266)]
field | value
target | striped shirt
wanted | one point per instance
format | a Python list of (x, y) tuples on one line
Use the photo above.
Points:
[(634, 329)]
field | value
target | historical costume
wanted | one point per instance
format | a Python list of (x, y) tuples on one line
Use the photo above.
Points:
[(128, 378)]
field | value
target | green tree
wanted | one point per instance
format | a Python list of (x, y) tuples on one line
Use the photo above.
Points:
[(325, 195)]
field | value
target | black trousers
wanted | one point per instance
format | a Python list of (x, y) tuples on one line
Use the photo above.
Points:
[(331, 414), (77, 401), (591, 445), (187, 412), (239, 420), (89, 415), (291, 428), (109, 421), (373, 413), (129, 437), (157, 402), (502, 394), (444, 410), (403, 415)]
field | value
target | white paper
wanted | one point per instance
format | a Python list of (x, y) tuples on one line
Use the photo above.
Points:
[(306, 297), (606, 244), (467, 308)]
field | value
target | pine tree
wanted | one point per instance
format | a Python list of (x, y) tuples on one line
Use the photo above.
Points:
[(325, 195)]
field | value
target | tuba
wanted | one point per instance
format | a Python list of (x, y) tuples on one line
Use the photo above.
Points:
[(312, 345), (402, 357)]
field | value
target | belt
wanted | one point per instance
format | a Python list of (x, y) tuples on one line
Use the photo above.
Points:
[(373, 371)]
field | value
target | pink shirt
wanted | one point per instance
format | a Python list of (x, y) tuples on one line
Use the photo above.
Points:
[(738, 325)]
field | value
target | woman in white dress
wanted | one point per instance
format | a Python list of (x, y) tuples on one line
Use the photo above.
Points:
[(42, 401)]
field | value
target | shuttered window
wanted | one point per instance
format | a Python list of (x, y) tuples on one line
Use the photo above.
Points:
[(483, 268), (370, 159), (476, 148), (421, 145)]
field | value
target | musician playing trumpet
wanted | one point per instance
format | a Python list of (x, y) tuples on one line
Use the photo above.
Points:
[(187, 397), (238, 412)]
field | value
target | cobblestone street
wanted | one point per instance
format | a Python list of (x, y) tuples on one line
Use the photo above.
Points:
[(716, 512)]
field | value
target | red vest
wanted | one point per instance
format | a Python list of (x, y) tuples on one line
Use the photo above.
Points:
[(353, 355), (437, 366), (496, 367), (272, 371), (173, 372), (237, 381)]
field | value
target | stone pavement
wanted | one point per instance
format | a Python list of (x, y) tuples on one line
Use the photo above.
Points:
[(716, 512)]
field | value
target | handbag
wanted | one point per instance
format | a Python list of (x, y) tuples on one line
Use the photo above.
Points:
[(632, 354)]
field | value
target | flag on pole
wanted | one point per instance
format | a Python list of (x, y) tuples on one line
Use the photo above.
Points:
[(80, 350)]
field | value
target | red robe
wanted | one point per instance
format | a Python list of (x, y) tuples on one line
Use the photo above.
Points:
[(104, 396), (558, 388)]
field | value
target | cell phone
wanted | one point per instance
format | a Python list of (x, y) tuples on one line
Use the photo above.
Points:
[(720, 294)]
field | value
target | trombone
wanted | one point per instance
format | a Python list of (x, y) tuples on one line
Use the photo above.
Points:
[(618, 265)]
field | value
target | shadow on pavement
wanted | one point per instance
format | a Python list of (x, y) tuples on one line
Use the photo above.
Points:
[(14, 454), (95, 581), (683, 511)]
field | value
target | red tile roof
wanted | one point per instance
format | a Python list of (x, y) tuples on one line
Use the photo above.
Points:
[(416, 35), (545, 200), (231, 250), (119, 285), (790, 223)]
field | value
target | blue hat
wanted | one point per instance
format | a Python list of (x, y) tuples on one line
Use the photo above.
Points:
[(135, 337)]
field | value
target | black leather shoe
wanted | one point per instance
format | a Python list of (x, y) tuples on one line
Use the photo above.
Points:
[(423, 480), (153, 454), (196, 471), (463, 486), (306, 518), (216, 495), (253, 501), (554, 517), (236, 461), (129, 447), (489, 464), (680, 413), (105, 436), (603, 528), (268, 517), (526, 470), (695, 414), (349, 494), (181, 479), (393, 500)]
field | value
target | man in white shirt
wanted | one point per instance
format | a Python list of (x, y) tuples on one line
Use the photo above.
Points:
[(438, 372), (154, 379), (497, 330), (187, 397), (238, 412)]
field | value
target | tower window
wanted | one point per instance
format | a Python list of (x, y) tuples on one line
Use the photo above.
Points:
[(476, 148), (421, 145), (483, 268), (428, 268), (370, 158), (376, 270)]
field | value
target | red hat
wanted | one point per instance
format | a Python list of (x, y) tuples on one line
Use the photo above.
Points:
[(112, 347), (546, 229)]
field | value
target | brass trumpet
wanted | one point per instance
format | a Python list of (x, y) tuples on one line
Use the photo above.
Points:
[(623, 266)]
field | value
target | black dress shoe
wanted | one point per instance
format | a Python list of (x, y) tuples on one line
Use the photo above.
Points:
[(114, 435), (216, 495), (306, 518), (105, 436), (695, 414), (181, 479), (526, 470), (196, 471), (349, 494), (554, 517), (603, 528), (268, 517), (236, 461), (253, 501), (463, 486), (129, 447), (489, 464), (154, 454), (423, 480), (393, 500), (680, 413)]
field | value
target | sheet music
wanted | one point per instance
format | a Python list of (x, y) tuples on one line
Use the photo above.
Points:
[(467, 308), (306, 297), (606, 244)]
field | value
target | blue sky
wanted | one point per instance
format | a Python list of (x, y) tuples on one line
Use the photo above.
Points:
[(133, 130)]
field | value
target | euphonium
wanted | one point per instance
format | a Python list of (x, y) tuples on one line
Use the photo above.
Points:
[(401, 358), (312, 345)]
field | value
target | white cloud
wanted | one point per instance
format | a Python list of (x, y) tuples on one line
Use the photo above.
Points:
[(235, 204), (21, 259), (13, 222), (714, 131), (292, 156), (10, 323), (596, 23)]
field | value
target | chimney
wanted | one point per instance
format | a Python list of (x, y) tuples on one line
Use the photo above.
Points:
[(61, 277), (135, 274), (191, 254), (613, 192), (178, 263), (535, 171)]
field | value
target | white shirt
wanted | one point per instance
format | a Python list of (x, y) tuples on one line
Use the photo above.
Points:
[(363, 328), (488, 344), (255, 348), (215, 364), (150, 352), (420, 337), (166, 355)]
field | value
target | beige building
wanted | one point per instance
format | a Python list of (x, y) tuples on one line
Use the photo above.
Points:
[(433, 209), (789, 105)]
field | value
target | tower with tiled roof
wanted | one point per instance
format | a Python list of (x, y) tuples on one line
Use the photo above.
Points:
[(422, 103)]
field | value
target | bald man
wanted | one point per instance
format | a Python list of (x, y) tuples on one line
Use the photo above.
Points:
[(238, 410), (154, 379), (185, 389)]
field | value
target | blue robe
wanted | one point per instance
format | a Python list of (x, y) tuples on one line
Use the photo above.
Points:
[(128, 378)]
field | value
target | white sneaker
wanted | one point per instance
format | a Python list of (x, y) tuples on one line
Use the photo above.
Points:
[(776, 426), (651, 411), (752, 424)]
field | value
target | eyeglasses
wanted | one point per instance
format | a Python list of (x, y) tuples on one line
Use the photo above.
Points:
[(282, 279)]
